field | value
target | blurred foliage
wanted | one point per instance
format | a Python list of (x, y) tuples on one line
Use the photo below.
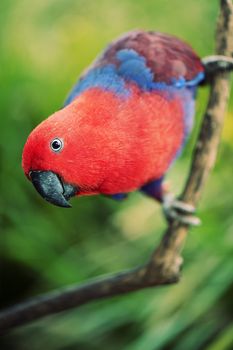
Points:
[(44, 45)]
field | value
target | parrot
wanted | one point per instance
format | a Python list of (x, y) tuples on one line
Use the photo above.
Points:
[(122, 126)]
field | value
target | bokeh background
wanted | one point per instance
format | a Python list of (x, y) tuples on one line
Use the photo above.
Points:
[(44, 46)]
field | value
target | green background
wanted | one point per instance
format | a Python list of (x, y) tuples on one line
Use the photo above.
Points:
[(44, 46)]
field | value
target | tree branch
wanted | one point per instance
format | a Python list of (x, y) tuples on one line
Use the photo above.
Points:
[(164, 264)]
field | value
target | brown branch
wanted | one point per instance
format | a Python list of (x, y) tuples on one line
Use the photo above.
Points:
[(164, 265)]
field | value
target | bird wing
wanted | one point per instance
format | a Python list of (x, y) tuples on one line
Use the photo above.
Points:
[(146, 58)]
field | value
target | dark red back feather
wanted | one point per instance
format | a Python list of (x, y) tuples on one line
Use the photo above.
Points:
[(167, 56)]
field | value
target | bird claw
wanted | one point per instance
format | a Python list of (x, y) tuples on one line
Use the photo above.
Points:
[(217, 63), (175, 209)]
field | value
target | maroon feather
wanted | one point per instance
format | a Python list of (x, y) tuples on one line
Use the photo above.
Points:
[(167, 56)]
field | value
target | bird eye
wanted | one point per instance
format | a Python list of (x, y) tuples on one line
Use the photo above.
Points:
[(56, 145)]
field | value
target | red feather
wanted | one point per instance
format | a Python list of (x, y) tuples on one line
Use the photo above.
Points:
[(111, 145)]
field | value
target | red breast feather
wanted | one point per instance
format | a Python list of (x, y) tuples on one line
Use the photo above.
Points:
[(110, 145)]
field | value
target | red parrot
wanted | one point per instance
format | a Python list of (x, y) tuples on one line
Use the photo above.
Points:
[(123, 124)]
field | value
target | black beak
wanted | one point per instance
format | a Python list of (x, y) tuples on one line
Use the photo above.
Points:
[(52, 188)]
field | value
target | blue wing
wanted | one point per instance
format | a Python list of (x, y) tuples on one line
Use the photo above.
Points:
[(152, 60)]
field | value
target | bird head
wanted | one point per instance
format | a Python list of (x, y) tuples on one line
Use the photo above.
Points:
[(63, 156)]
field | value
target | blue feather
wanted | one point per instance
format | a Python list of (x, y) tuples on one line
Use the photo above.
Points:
[(119, 196), (153, 188), (105, 77), (131, 68)]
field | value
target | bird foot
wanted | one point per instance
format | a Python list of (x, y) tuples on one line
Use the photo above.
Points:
[(175, 209), (217, 63)]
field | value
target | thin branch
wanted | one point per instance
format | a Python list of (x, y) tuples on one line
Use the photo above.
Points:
[(164, 265)]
